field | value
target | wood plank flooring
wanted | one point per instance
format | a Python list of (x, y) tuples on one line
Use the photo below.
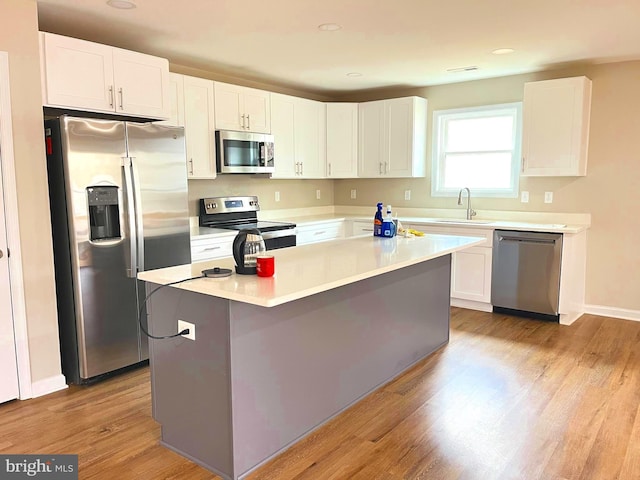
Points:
[(507, 398)]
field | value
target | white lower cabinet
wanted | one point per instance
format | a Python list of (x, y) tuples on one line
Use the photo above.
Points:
[(210, 248), (361, 227), (470, 268), (320, 232)]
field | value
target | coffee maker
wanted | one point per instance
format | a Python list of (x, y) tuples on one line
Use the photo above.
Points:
[(247, 245)]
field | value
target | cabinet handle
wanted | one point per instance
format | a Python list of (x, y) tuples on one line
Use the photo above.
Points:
[(111, 96), (191, 166), (242, 122), (380, 168), (523, 161), (321, 232), (121, 98), (211, 248), (248, 122), (366, 229), (329, 165), (301, 168)]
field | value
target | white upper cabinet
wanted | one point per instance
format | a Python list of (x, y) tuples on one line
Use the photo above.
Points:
[(392, 138), (199, 127), (242, 108), (342, 140), (192, 108), (298, 128), (176, 101), (555, 130), (82, 75)]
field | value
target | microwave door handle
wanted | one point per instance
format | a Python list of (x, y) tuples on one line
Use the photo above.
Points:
[(128, 181)]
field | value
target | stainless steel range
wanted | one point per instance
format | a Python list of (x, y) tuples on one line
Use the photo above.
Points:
[(236, 213)]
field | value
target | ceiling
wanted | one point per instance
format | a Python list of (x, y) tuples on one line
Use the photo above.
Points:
[(402, 43)]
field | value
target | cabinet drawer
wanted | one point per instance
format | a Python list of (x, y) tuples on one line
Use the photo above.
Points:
[(207, 249), (487, 234), (319, 233), (362, 228)]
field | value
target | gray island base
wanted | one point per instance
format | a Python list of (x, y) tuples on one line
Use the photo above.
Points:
[(258, 379)]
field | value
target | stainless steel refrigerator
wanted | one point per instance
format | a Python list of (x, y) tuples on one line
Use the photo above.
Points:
[(118, 197)]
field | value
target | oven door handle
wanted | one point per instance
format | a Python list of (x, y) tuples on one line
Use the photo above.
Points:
[(288, 232)]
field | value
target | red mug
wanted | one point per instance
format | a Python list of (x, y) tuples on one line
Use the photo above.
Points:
[(265, 265)]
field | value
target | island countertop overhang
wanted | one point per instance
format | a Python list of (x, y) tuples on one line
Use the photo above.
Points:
[(310, 269)]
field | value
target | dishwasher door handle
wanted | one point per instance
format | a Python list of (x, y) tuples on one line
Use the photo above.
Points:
[(527, 240)]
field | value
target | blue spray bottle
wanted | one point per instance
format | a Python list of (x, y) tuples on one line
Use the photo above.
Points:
[(377, 222)]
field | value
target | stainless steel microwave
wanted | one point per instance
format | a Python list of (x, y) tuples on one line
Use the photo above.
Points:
[(241, 152)]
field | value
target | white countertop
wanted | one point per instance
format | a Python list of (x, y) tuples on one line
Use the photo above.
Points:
[(309, 269)]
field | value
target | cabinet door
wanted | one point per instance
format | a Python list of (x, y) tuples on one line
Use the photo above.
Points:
[(283, 130), (406, 138), (310, 138), (257, 110), (228, 99), (199, 127), (77, 74), (555, 132), (471, 274), (342, 140), (372, 161), (176, 101), (141, 83)]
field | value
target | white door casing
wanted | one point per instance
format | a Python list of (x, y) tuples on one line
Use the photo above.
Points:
[(15, 369)]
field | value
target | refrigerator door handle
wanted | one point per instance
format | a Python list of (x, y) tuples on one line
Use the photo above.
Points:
[(133, 260), (138, 209)]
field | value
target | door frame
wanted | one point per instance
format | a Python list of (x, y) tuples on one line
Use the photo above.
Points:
[(13, 233)]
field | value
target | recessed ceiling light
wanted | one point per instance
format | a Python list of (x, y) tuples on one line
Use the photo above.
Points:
[(354, 74), (121, 4), (503, 51), (329, 27), (462, 69)]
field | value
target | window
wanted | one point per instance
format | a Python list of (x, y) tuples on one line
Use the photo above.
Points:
[(477, 148)]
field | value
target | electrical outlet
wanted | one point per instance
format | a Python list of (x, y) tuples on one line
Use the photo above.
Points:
[(524, 197), (407, 194), (277, 196), (317, 194), (192, 329), (548, 197), (353, 193)]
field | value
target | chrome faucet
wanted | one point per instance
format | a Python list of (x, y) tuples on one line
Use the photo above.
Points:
[(470, 211)]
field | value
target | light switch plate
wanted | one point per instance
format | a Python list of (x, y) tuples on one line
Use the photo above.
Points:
[(548, 197), (407, 194), (524, 197), (353, 193), (192, 329), (277, 196), (317, 194)]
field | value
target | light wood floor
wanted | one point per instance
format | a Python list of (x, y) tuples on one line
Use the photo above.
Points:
[(507, 398)]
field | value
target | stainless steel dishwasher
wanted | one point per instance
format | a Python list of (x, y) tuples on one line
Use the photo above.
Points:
[(526, 273)]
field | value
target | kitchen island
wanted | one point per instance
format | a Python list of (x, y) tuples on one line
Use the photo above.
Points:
[(274, 358)]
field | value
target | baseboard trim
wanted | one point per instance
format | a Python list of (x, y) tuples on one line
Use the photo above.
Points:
[(471, 304), (604, 311), (48, 385)]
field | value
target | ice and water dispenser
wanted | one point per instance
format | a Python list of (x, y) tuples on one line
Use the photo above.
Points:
[(104, 213)]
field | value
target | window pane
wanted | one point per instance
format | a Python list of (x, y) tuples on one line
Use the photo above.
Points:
[(479, 134), (482, 170)]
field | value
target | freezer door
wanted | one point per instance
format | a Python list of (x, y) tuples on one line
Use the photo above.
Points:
[(101, 258), (159, 167)]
